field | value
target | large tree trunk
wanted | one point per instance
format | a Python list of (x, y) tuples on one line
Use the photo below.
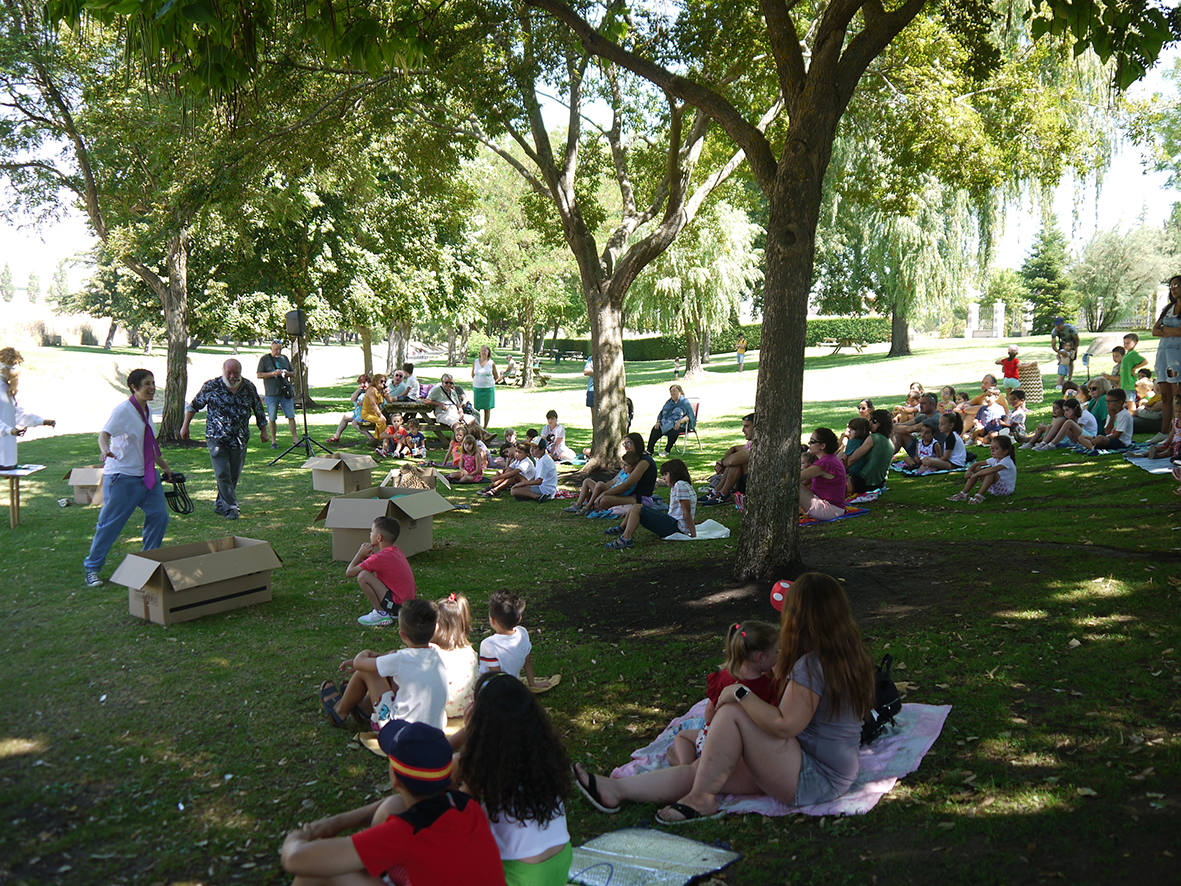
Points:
[(366, 349), (769, 544), (175, 298), (899, 332), (609, 416), (706, 336), (452, 335), (396, 344), (111, 335), (692, 351)]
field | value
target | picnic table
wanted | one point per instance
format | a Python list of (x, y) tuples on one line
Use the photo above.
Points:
[(14, 476), (425, 413)]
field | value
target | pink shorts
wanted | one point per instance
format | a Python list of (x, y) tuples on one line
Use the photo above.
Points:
[(824, 510)]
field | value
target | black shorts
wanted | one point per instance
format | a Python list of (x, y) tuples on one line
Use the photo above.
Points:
[(740, 486), (859, 484), (388, 604)]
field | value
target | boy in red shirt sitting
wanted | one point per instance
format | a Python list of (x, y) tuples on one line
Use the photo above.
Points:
[(427, 834), (381, 570)]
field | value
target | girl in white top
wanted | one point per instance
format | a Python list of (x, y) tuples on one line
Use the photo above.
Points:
[(452, 629), (951, 425), (556, 434), (997, 476), (681, 515), (513, 763), (1077, 422)]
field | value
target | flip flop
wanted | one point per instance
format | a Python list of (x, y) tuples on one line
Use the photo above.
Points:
[(329, 696), (689, 815), (591, 791)]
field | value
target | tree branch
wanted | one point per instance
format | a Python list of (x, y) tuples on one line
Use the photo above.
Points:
[(880, 28), (785, 47), (746, 136)]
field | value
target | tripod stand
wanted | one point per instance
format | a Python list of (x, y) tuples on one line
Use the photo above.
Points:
[(306, 441)]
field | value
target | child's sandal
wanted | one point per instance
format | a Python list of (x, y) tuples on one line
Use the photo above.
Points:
[(959, 496), (977, 499)]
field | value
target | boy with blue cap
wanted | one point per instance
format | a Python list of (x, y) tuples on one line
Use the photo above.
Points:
[(440, 836)]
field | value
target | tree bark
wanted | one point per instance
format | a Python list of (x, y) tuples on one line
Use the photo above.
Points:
[(609, 415), (174, 295), (396, 344), (899, 332), (706, 337), (692, 351), (111, 335), (366, 349), (452, 334), (527, 345)]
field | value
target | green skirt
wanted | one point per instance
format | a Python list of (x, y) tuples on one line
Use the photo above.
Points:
[(484, 398)]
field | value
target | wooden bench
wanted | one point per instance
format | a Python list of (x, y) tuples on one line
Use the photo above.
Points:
[(837, 344)]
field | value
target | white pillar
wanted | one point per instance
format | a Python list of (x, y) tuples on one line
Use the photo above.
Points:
[(998, 319), (973, 320)]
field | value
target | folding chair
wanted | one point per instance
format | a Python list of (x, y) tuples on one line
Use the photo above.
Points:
[(696, 404)]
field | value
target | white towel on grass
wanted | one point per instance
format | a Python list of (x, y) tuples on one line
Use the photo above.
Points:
[(708, 529)]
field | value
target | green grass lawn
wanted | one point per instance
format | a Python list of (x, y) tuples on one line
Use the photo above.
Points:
[(132, 753)]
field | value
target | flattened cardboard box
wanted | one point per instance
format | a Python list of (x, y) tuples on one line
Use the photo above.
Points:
[(350, 516), (87, 483), (183, 582), (341, 472)]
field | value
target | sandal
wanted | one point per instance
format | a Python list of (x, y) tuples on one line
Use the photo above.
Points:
[(977, 499), (959, 496), (590, 790), (329, 696), (688, 814), (359, 715)]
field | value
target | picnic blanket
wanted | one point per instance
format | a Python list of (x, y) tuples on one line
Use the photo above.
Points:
[(1152, 465), (913, 472), (849, 512), (708, 529), (895, 754), (1137, 449), (862, 498)]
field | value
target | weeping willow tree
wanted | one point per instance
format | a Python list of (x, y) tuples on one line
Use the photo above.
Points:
[(696, 286)]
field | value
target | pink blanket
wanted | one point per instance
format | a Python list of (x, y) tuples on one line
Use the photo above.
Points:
[(896, 753)]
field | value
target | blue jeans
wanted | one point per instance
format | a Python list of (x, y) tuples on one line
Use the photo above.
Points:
[(227, 457), (122, 494)]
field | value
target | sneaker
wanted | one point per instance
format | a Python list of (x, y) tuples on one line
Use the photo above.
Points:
[(1155, 439), (572, 509), (613, 530), (274, 444), (1026, 446), (376, 619), (959, 496), (233, 514), (619, 544), (93, 579)]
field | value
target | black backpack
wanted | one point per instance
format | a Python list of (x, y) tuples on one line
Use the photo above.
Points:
[(887, 703)]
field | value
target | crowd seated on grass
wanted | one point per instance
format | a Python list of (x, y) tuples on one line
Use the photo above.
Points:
[(868, 452)]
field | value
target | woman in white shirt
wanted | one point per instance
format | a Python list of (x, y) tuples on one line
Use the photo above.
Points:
[(130, 455)]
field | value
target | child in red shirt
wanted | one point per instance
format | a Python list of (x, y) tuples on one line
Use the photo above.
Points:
[(383, 573), (1010, 377), (751, 650), (427, 834)]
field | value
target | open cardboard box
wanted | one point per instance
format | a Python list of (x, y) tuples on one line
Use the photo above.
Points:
[(341, 472), (350, 517), (415, 477), (88, 484), (183, 582)]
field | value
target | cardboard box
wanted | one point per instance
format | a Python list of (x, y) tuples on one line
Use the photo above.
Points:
[(183, 582), (341, 472), (415, 477), (87, 483), (351, 516)]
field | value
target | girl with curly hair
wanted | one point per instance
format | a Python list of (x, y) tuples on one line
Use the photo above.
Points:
[(512, 761), (803, 750)]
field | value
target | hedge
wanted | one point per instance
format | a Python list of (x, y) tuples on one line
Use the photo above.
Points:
[(862, 330)]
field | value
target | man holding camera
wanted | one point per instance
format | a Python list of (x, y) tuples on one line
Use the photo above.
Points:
[(276, 373)]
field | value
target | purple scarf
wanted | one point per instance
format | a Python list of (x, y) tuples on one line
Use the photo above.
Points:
[(151, 447)]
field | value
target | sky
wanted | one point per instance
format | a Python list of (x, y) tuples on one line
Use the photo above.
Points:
[(1132, 193)]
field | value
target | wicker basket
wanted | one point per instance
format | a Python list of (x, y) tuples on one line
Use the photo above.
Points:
[(1031, 382)]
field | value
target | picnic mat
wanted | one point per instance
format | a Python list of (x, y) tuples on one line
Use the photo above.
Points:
[(645, 857), (1152, 465), (872, 495), (849, 512), (895, 754), (913, 472), (708, 529)]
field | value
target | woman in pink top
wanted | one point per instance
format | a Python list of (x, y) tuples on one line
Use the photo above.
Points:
[(822, 486)]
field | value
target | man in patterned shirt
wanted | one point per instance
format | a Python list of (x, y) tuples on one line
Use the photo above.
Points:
[(230, 400)]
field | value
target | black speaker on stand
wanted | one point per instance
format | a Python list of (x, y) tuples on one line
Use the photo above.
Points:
[(296, 324)]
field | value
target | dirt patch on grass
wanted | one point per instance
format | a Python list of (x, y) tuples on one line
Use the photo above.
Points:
[(883, 578)]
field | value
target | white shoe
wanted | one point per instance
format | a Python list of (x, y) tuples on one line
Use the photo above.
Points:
[(1155, 439), (1026, 446)]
